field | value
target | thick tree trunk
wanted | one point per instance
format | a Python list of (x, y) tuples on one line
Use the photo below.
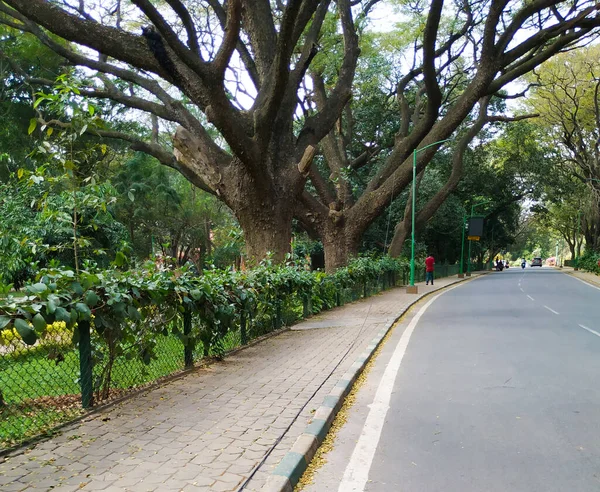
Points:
[(267, 233), (262, 201), (340, 245)]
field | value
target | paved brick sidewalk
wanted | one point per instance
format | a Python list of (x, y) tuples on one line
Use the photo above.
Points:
[(209, 430)]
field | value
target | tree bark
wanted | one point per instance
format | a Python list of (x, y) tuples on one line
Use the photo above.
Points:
[(339, 245)]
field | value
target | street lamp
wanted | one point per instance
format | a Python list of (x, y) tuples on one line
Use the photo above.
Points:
[(473, 207), (577, 234), (412, 289)]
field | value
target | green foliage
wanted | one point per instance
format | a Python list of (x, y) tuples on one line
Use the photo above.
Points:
[(128, 305), (37, 217), (589, 261), (158, 205)]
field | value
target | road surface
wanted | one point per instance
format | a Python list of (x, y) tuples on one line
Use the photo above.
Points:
[(494, 386)]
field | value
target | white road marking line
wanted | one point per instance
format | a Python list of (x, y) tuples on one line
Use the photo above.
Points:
[(522, 289), (530, 297), (583, 281), (550, 309), (357, 470), (590, 330)]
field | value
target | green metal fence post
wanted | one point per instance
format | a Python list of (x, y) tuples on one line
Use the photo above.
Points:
[(188, 350), (278, 321), (85, 364), (243, 330)]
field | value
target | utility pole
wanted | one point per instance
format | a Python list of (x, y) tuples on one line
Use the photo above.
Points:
[(412, 289), (461, 273)]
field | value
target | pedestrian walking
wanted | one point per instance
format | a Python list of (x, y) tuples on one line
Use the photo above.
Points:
[(429, 267)]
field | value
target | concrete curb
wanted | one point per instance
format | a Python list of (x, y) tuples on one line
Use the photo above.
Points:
[(291, 467)]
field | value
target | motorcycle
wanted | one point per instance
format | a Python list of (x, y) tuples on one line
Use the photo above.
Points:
[(523, 265)]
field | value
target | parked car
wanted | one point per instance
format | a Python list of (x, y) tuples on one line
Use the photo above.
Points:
[(536, 262)]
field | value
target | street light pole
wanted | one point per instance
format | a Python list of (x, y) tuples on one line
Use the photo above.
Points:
[(412, 289), (577, 233), (461, 273)]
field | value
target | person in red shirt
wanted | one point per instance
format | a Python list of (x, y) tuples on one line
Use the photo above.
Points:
[(429, 265)]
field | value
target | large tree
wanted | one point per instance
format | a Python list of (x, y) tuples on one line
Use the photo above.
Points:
[(237, 67), (567, 95), (454, 64), (241, 67)]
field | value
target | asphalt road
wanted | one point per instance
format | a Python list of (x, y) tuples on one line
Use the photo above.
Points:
[(497, 389)]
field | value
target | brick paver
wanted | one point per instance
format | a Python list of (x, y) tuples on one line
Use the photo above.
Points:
[(209, 430)]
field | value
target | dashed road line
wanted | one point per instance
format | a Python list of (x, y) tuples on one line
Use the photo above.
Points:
[(590, 330), (551, 310), (530, 297)]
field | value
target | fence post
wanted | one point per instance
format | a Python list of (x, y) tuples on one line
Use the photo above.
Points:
[(85, 364), (188, 350), (338, 298), (365, 288), (278, 322), (243, 332)]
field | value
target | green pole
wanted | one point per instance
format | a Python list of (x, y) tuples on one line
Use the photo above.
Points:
[(462, 245), (576, 240), (414, 200), (85, 364), (412, 245), (469, 256)]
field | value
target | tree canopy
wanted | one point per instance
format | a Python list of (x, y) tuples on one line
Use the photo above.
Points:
[(250, 91)]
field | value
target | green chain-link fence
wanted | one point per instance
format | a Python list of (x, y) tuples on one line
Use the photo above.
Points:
[(58, 378)]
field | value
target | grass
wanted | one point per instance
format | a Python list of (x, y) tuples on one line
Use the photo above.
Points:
[(31, 421), (40, 391)]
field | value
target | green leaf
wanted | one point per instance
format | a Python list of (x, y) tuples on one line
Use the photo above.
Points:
[(62, 315), (51, 307), (32, 125), (77, 288), (39, 323), (133, 313), (131, 196), (120, 259), (91, 298), (25, 331), (4, 320), (37, 288), (84, 310)]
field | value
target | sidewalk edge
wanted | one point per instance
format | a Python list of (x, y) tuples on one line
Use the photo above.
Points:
[(288, 472)]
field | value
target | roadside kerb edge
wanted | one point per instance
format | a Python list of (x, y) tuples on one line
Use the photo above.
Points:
[(291, 467)]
